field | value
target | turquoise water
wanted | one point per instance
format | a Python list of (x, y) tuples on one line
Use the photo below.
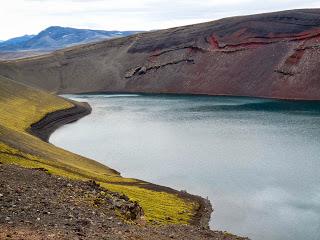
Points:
[(257, 160)]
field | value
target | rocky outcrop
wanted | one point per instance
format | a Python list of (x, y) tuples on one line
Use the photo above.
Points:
[(273, 55)]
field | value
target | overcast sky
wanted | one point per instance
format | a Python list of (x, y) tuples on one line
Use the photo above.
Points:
[(19, 17)]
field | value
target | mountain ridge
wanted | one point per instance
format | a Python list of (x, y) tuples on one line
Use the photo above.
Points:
[(57, 37)]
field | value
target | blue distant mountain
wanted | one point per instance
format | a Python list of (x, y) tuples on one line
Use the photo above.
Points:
[(56, 37), (15, 43)]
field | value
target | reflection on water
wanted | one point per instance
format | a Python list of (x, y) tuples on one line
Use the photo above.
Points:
[(257, 160)]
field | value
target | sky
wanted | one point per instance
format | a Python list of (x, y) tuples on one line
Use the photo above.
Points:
[(20, 17)]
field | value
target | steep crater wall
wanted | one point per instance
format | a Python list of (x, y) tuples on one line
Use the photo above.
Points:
[(272, 55)]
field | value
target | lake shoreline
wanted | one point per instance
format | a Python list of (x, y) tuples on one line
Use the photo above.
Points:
[(235, 151), (186, 94), (54, 120)]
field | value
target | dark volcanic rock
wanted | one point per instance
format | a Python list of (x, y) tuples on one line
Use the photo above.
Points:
[(47, 125), (272, 55)]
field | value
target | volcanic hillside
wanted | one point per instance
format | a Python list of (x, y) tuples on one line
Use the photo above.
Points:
[(272, 55)]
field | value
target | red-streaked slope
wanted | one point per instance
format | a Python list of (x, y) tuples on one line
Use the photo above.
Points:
[(268, 55)]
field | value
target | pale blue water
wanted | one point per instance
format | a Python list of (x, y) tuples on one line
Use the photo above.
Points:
[(257, 160)]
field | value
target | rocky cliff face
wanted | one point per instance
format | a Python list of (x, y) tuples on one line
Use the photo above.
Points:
[(268, 55)]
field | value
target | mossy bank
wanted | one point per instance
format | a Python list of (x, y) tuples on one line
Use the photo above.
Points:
[(28, 116)]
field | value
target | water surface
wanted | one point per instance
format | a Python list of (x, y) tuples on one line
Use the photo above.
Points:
[(257, 160)]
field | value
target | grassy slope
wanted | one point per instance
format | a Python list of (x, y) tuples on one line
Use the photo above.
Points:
[(20, 106)]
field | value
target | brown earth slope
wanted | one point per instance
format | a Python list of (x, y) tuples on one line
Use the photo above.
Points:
[(268, 55)]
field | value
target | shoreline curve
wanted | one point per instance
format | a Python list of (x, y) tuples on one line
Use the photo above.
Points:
[(53, 120)]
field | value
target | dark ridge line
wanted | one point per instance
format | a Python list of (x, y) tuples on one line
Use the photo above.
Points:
[(52, 121)]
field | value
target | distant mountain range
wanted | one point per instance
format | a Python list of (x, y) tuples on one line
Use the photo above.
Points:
[(56, 37)]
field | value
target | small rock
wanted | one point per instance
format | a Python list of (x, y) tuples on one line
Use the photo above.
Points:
[(80, 234), (69, 185), (38, 219), (143, 70), (7, 218), (124, 197), (77, 229), (1, 195)]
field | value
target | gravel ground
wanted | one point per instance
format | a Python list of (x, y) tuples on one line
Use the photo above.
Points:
[(37, 205)]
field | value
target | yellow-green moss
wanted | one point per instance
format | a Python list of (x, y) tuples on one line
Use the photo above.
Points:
[(161, 207), (20, 106), (10, 155)]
